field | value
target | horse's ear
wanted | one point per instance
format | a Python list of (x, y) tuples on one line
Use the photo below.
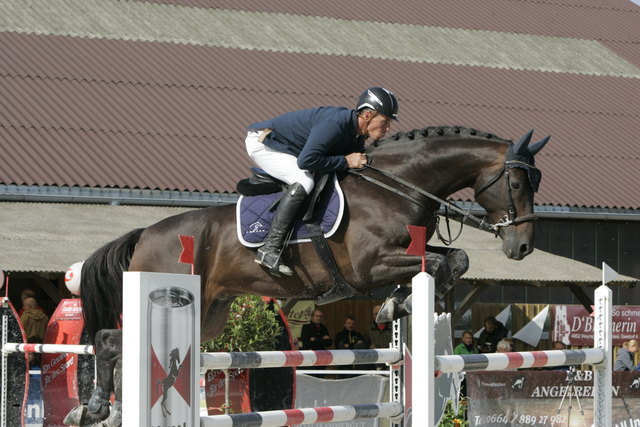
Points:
[(539, 145), (520, 148)]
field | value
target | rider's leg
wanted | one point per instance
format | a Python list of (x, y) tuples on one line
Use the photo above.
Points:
[(284, 167), (269, 254)]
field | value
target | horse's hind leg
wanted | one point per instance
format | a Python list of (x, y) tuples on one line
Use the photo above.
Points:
[(115, 417)]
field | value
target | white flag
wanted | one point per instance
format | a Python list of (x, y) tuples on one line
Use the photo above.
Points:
[(532, 331), (502, 317), (608, 273)]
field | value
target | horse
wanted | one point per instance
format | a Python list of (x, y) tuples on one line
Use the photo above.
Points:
[(408, 177)]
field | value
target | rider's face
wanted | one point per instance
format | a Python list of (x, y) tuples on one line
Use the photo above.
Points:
[(378, 126)]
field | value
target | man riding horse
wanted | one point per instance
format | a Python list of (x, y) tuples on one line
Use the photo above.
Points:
[(294, 146)]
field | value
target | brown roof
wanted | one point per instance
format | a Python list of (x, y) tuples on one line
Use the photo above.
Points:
[(91, 99)]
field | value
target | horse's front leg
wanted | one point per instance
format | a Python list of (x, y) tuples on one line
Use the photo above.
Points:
[(399, 303)]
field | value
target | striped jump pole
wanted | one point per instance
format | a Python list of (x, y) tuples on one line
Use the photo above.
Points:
[(280, 359), (517, 360), (291, 417), (47, 348)]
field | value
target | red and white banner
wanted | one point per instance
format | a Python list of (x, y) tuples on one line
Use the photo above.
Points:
[(573, 324)]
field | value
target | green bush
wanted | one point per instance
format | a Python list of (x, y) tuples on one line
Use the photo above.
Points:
[(449, 419), (251, 326)]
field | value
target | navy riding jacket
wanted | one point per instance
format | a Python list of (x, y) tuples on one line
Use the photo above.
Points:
[(318, 137)]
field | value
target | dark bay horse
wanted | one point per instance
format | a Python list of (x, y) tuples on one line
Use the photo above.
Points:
[(369, 246)]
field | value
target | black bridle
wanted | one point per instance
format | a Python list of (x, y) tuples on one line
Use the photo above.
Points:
[(511, 218)]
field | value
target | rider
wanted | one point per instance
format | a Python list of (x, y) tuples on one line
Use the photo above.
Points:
[(294, 146)]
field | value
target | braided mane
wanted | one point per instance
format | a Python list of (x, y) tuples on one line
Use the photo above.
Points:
[(436, 132)]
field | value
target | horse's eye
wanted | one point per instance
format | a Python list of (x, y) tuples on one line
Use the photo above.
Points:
[(515, 185)]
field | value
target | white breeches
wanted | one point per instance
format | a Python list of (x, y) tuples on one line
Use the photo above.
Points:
[(276, 163)]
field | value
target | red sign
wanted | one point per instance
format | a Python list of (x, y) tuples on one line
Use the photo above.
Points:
[(573, 324)]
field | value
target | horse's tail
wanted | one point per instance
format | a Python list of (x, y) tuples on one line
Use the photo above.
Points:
[(101, 283)]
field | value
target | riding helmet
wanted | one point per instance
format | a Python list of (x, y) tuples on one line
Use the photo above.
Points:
[(381, 100)]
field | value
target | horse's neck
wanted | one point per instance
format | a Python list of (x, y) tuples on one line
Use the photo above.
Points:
[(445, 167)]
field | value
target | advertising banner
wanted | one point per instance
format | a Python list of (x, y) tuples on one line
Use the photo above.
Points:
[(60, 376), (573, 324), (547, 398), (161, 359)]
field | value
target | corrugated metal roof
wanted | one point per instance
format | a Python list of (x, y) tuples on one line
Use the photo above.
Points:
[(49, 237), (145, 114)]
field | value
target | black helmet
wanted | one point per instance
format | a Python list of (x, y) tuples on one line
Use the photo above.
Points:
[(381, 100)]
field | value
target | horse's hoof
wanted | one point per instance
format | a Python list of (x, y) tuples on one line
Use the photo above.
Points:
[(408, 304), (387, 311), (75, 417), (99, 403), (115, 418)]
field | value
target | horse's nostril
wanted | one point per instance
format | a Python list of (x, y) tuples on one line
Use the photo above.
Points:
[(524, 249)]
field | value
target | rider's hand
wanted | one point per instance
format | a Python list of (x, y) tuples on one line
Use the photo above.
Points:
[(356, 160)]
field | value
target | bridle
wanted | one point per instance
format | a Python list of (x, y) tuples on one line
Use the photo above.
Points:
[(511, 218)]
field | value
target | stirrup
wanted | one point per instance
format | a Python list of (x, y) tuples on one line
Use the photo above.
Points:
[(272, 262)]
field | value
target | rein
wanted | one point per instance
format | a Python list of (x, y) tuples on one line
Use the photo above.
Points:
[(510, 219), (484, 225)]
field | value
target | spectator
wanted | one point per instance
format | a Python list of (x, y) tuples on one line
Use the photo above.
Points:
[(349, 338), (33, 319), (505, 345), (315, 335), (624, 361), (493, 332), (559, 345), (466, 346), (378, 335), (26, 293)]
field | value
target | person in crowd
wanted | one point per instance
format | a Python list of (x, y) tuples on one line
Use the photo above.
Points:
[(378, 335), (493, 332), (505, 345), (466, 346), (349, 338), (558, 345), (27, 293), (33, 319), (624, 360), (315, 335), (298, 145)]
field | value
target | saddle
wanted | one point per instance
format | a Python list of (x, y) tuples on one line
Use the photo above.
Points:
[(318, 220)]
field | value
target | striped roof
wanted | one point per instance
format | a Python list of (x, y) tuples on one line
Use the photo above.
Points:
[(156, 94)]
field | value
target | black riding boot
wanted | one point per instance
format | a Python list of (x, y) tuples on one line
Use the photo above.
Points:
[(269, 254)]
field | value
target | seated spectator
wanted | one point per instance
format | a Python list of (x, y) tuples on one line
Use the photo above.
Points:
[(466, 346), (505, 345), (315, 335), (33, 319), (624, 361), (493, 332), (559, 345), (378, 335), (349, 338), (26, 293)]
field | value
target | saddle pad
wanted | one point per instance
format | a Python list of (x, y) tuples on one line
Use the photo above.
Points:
[(254, 216)]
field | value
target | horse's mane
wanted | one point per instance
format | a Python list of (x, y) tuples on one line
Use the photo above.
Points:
[(439, 132)]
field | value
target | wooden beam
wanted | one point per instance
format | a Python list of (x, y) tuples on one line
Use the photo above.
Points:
[(582, 296), (48, 288), (466, 302)]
